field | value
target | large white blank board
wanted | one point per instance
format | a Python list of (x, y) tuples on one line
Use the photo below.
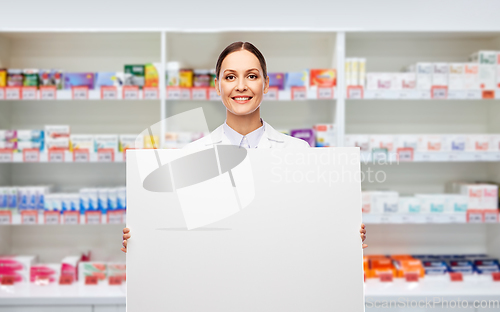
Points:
[(294, 247)]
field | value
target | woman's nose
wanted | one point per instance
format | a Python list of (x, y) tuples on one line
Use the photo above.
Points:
[(242, 86)]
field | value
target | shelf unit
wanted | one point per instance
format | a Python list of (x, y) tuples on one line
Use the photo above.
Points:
[(376, 113)]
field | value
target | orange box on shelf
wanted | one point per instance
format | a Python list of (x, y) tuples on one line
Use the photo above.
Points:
[(380, 265), (323, 78), (404, 266), (401, 257)]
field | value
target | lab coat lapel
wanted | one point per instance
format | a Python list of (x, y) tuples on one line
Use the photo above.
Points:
[(270, 138)]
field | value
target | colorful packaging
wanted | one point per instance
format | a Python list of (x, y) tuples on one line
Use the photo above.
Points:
[(117, 270), (3, 197), (434, 266), (405, 81), (463, 266), (79, 80), (406, 141), (105, 79), (130, 141), (136, 77), (478, 143), (173, 75), (18, 267), (430, 143), (69, 266), (51, 78), (82, 141), (277, 80), (106, 141), (95, 269), (362, 71), (486, 266), (122, 198), (440, 74), (12, 197), (30, 135), (151, 76), (295, 79), (456, 79), (354, 72), (366, 202), (89, 199), (3, 77), (15, 78), (323, 78), (409, 205), (112, 196), (456, 203), (408, 265), (30, 78), (348, 72), (431, 203), (358, 140), (102, 200), (42, 274), (454, 143), (424, 72), (186, 78), (487, 61), (57, 143), (326, 136), (148, 143), (384, 202), (382, 141), (490, 196), (304, 134), (380, 81), (201, 78)]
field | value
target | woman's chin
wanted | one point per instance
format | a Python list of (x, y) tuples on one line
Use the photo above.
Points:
[(242, 110)]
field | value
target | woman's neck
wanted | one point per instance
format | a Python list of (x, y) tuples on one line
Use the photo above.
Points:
[(244, 124)]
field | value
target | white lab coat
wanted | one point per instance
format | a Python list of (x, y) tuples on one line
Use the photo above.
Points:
[(270, 139)]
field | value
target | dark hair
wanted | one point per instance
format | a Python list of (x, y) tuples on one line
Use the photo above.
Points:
[(238, 46)]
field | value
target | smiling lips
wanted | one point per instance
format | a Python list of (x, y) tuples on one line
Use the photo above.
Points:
[(241, 99)]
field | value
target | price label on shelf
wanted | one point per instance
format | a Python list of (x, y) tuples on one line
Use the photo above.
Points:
[(29, 217), (115, 280), (199, 93), (185, 94), (355, 92), (490, 216), (411, 277), (404, 94), (423, 94), (48, 92), (173, 93), (106, 155), (474, 216), (56, 155), (2, 93), (272, 94), (7, 280), (380, 154), (81, 155), (13, 93), (65, 279), (151, 93), (6, 155), (71, 217), (130, 92), (299, 93), (325, 93), (384, 219), (31, 155), (213, 96), (479, 157), (51, 217), (109, 93), (488, 94), (115, 217), (92, 217), (439, 92), (495, 276), (91, 280), (5, 217), (80, 93), (385, 277), (405, 154), (456, 277), (408, 219), (29, 93), (430, 218), (473, 95)]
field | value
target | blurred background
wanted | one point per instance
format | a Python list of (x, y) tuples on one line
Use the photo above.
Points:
[(415, 85)]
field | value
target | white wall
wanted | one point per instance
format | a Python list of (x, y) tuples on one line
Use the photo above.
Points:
[(480, 15)]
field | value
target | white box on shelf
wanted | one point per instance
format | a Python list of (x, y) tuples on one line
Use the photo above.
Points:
[(354, 72), (456, 203), (430, 143), (498, 71), (106, 141), (358, 140), (379, 81), (478, 142), (405, 81), (57, 143), (366, 201), (97, 270), (431, 203), (490, 196), (325, 134), (55, 131), (82, 141), (474, 193), (424, 75), (454, 143), (348, 71), (362, 71), (487, 61), (384, 202), (409, 204), (440, 74), (382, 141), (495, 142), (127, 141), (406, 141), (471, 76), (456, 76)]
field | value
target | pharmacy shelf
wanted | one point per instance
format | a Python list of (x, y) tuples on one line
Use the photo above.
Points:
[(54, 294), (470, 289), (34, 218), (367, 157), (7, 156), (432, 218), (423, 95)]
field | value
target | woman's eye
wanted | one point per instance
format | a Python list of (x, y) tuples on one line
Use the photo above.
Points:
[(252, 76), (230, 77)]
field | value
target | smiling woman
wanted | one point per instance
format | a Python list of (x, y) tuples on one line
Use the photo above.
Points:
[(241, 81)]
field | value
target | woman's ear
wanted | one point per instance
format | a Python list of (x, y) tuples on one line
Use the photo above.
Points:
[(266, 85), (216, 83)]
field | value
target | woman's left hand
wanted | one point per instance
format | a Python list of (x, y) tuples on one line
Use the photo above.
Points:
[(362, 232)]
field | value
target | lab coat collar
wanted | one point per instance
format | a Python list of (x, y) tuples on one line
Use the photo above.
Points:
[(270, 138)]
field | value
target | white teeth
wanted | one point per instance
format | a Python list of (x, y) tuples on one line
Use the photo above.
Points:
[(241, 98)]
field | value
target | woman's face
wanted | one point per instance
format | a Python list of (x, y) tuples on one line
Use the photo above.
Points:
[(241, 84)]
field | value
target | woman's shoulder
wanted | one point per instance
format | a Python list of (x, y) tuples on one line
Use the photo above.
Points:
[(284, 140)]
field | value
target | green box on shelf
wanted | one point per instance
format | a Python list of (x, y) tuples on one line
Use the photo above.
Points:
[(135, 75)]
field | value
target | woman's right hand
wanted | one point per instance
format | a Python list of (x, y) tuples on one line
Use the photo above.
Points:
[(126, 236)]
